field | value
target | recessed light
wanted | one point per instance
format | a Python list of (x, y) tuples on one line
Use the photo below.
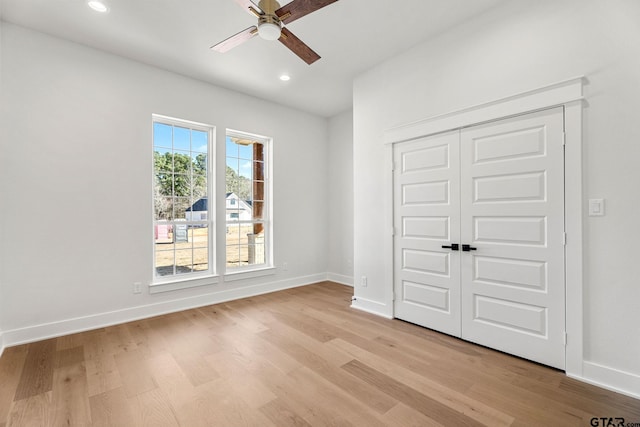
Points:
[(98, 6), (285, 77)]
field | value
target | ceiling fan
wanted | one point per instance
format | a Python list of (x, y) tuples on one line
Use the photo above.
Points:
[(271, 20)]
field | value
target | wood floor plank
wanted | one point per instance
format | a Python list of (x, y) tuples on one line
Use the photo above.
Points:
[(102, 372), (171, 379), (152, 409), (69, 356), (282, 415), (335, 399), (409, 396), (134, 373), (430, 386), (245, 353), (37, 373), (195, 367), (364, 392), (251, 391), (527, 408), (110, 409), (70, 398), (32, 411), (303, 399), (147, 339), (403, 416), (11, 365), (297, 357)]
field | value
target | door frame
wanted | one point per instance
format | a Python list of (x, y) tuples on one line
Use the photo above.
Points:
[(567, 94)]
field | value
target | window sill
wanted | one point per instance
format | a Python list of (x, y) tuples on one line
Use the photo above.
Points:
[(186, 283), (249, 274)]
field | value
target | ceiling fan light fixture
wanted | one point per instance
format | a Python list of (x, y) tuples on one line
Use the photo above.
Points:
[(269, 31)]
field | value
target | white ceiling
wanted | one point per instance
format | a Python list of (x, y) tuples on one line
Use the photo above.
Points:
[(351, 36)]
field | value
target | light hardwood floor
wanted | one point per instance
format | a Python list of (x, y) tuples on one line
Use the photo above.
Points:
[(298, 357)]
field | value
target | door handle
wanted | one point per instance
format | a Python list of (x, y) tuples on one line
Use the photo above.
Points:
[(453, 247), (467, 248)]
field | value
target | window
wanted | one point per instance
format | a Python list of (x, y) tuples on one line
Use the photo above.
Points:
[(181, 193), (248, 214)]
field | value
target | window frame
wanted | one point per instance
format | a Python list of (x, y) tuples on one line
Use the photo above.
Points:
[(174, 281), (254, 270)]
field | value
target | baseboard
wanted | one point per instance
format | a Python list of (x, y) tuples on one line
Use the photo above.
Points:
[(611, 379), (372, 307), (340, 278), (101, 320)]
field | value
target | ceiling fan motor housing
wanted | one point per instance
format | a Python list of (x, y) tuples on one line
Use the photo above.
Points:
[(269, 26)]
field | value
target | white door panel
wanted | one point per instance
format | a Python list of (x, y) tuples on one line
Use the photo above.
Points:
[(426, 217), (512, 175)]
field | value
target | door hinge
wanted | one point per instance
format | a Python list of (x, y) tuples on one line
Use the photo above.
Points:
[(393, 296), (393, 231), (393, 165), (564, 138), (565, 338), (564, 239)]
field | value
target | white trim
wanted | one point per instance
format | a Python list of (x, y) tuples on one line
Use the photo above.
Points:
[(181, 122), (249, 274), (340, 278), (556, 94), (573, 202), (373, 307), (388, 237), (1, 343), (101, 320), (186, 283), (611, 379), (568, 94)]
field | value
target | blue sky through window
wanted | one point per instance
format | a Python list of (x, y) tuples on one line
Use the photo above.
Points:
[(167, 137), (239, 157)]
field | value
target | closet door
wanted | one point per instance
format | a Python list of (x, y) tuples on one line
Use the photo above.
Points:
[(512, 204), (427, 218)]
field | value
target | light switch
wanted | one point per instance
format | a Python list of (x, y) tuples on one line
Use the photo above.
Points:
[(596, 207)]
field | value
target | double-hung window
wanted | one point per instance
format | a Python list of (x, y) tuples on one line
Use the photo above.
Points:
[(248, 202), (182, 199)]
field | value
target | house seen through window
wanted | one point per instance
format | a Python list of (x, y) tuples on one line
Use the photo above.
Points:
[(247, 197)]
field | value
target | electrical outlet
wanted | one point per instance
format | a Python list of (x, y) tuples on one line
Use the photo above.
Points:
[(363, 281), (137, 287), (285, 266)]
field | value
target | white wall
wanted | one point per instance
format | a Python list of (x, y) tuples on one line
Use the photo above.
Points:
[(340, 198), (519, 46), (76, 199), (2, 167)]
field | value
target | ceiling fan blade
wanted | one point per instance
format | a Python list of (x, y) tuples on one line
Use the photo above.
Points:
[(247, 5), (298, 47), (235, 40), (299, 8)]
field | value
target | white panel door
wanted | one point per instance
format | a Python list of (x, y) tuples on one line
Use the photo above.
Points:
[(512, 204), (426, 218)]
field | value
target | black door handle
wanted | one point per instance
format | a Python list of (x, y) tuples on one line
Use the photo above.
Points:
[(453, 247), (467, 248)]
